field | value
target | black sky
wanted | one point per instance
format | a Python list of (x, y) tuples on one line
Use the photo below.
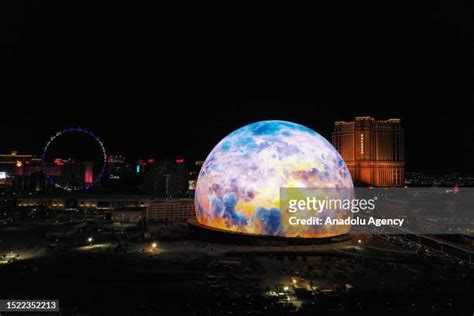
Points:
[(166, 81)]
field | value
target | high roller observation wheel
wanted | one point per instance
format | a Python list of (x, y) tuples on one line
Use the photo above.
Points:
[(96, 179)]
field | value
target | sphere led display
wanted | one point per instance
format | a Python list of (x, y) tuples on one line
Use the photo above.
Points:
[(238, 188)]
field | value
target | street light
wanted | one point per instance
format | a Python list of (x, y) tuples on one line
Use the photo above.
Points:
[(90, 239), (153, 246), (359, 241)]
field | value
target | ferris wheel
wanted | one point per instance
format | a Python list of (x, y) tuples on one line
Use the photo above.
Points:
[(74, 159)]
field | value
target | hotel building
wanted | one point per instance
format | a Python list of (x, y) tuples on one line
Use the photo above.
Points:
[(373, 150)]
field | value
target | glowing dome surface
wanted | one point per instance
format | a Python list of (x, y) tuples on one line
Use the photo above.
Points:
[(238, 188)]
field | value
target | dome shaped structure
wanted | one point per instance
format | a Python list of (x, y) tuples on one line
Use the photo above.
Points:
[(238, 188)]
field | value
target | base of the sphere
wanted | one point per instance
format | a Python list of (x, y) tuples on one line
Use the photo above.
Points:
[(215, 235)]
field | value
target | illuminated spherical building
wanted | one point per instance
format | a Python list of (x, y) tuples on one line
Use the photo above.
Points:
[(238, 189)]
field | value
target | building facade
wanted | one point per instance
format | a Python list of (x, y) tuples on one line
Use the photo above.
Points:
[(27, 173), (170, 211), (104, 202), (127, 215), (373, 150)]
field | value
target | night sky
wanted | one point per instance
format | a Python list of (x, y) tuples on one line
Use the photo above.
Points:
[(174, 81)]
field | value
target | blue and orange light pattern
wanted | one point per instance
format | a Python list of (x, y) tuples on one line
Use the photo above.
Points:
[(239, 184)]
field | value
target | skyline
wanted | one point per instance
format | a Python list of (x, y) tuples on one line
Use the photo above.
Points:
[(166, 159), (436, 141)]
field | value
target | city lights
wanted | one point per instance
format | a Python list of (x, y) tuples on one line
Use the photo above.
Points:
[(193, 231)]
